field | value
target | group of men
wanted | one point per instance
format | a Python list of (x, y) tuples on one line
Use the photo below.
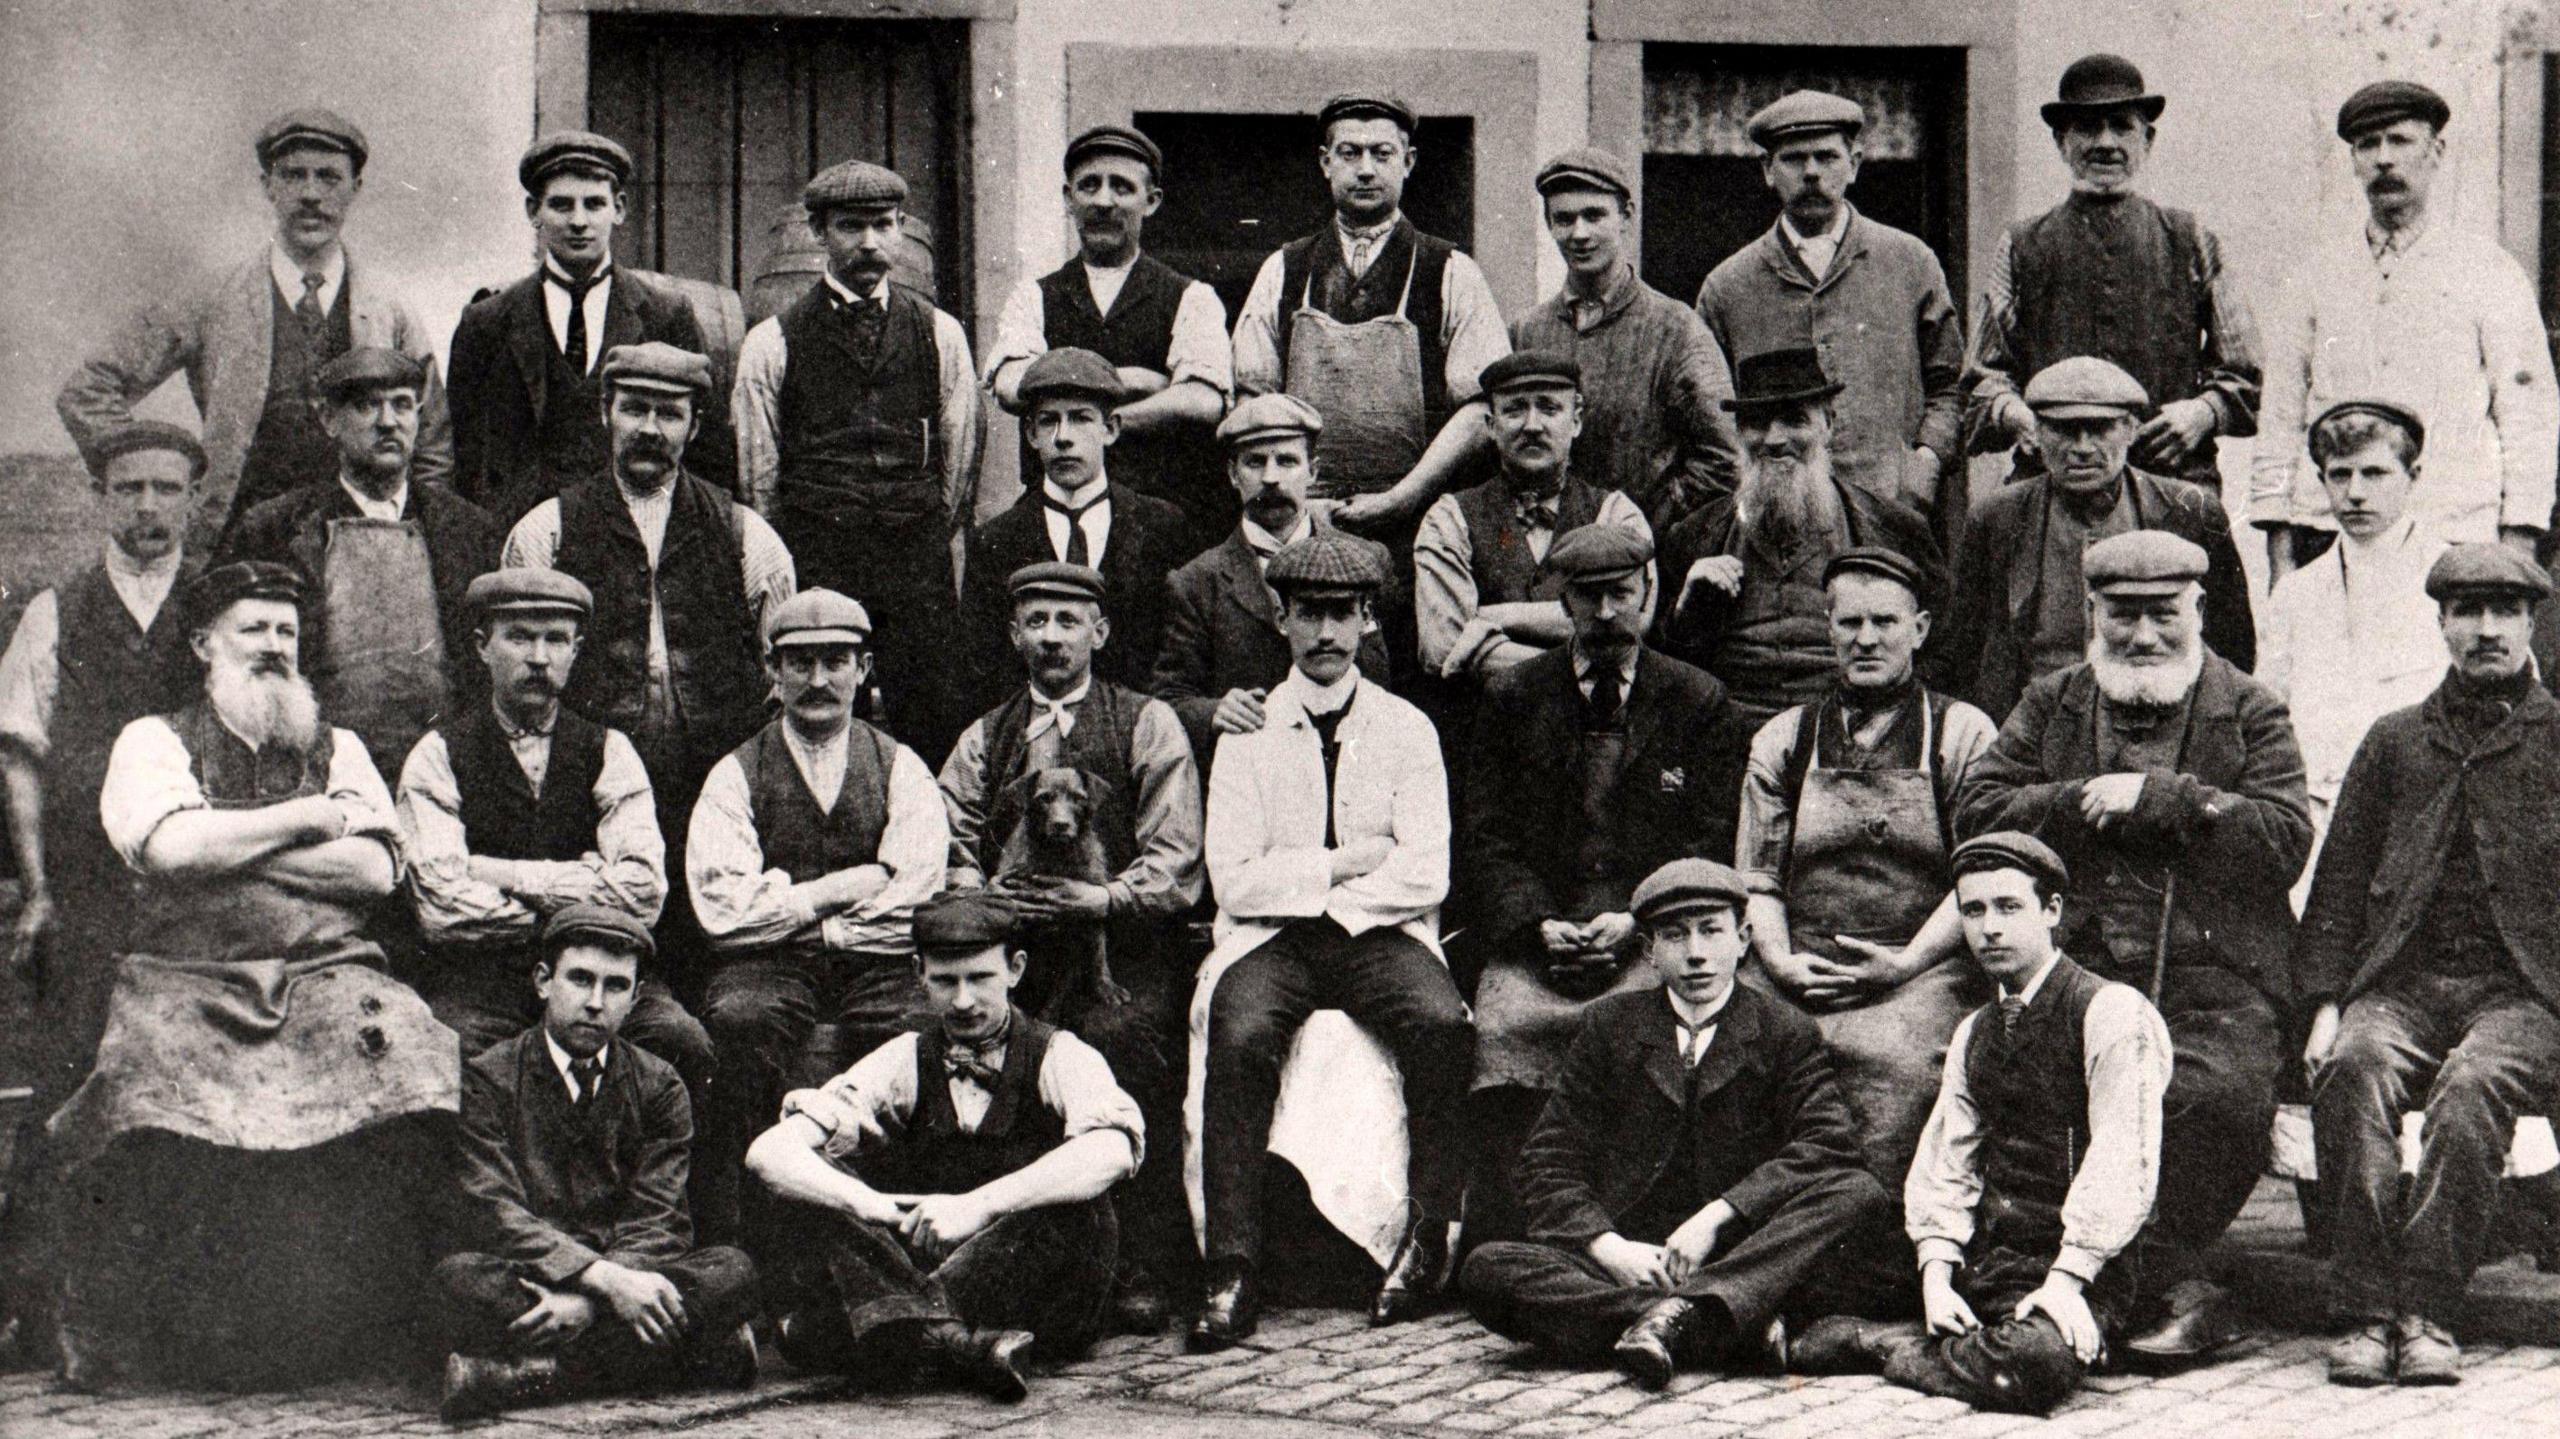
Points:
[(1439, 667)]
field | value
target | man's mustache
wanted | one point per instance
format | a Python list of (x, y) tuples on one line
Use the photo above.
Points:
[(270, 665)]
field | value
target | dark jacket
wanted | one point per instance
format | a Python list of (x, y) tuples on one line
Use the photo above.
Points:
[(2233, 823), (1990, 623), (1693, 635), (1144, 534), (2393, 831), (1220, 633), (1769, 1118), (499, 390), (554, 1186)]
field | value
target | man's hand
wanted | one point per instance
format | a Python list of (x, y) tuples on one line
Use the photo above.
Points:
[(1920, 476), (2106, 798), (1047, 899), (2170, 438), (1636, 1266), (557, 1316), (1716, 572), (2015, 416), (1362, 513), (1238, 712), (1879, 969), (1945, 1309), (1606, 934), (1476, 636), (848, 888), (649, 1303), (2059, 1299), (1694, 1242), (1561, 938), (940, 1223), (2323, 1040), (1361, 856), (35, 918), (1828, 983)]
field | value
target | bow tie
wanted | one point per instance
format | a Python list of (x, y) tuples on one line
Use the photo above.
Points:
[(980, 1062), (873, 303), (1538, 514)]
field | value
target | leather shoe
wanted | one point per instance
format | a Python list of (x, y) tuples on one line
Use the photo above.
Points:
[(2194, 1328), (1413, 1281), (1649, 1350), (2428, 1354), (987, 1360), (2361, 1359), (1833, 1344), (1229, 1312), (477, 1387)]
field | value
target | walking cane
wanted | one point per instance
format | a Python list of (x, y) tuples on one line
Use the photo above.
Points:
[(2160, 946)]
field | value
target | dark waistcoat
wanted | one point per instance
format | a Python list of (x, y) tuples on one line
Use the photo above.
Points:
[(936, 1157), (572, 440), (1505, 571), (289, 449), (110, 672), (1138, 331), (501, 816), (858, 430), (2124, 282), (1106, 723), (700, 583), (800, 839)]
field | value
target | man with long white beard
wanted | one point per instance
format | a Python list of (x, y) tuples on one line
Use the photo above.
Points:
[(244, 1150), (2171, 784), (1745, 572)]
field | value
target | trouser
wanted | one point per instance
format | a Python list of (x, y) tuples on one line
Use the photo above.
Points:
[(488, 997), (858, 1294), (2216, 1119), (2021, 1366), (1562, 1301), (760, 1013), (1390, 985), (478, 1296), (1499, 1120), (2469, 1052)]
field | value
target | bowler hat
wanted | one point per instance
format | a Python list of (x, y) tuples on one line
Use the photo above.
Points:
[(2096, 83), (1780, 377)]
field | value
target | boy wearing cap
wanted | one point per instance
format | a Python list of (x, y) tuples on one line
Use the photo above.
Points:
[(1696, 1170), (1875, 295), (387, 557), (2035, 1176), (1480, 603), (950, 1191), (527, 417), (2438, 317), (2427, 956), (1166, 338), (571, 1163), (1652, 372), (251, 339)]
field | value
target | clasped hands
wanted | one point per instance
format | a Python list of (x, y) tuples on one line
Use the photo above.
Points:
[(2058, 1299), (1674, 1261), (1582, 959), (1867, 969), (931, 1224)]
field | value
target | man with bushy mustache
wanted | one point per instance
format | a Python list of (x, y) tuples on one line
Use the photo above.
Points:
[(2172, 786)]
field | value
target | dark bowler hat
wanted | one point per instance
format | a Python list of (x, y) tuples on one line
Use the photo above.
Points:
[(2486, 570), (2096, 83), (583, 151), (1780, 377), (2009, 849), (312, 125), (1071, 371), (1267, 416), (1328, 560), (1597, 553), (1115, 140), (817, 617), (2143, 562), (853, 185), (599, 926), (364, 370), (656, 365), (220, 588), (1804, 112), (1588, 168), (1687, 884), (1531, 370), (1874, 560), (1052, 577), (2385, 410), (1364, 105), (525, 589), (2388, 102), (962, 922), (135, 436)]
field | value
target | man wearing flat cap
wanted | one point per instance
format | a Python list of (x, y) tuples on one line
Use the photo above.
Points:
[(2438, 317), (1652, 372), (1074, 510), (262, 838), (2111, 274), (1742, 578), (528, 403), (2172, 785), (1848, 815), (1871, 298), (2427, 959), (1696, 1175), (2032, 1193), (858, 432), (1328, 850), (1139, 796), (387, 557), (573, 1269), (1163, 333), (1591, 765), (1222, 650), (810, 849), (2020, 606), (250, 340)]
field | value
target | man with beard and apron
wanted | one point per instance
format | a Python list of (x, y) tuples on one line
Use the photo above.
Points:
[(245, 1151), (389, 557), (1846, 806)]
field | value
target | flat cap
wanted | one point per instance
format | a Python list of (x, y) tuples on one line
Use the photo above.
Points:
[(1366, 105), (656, 365), (1780, 377), (1115, 140), (1588, 168), (2143, 562), (597, 925), (1687, 884), (963, 922), (135, 436), (817, 617), (312, 125), (1804, 112), (2486, 569), (2389, 411), (2388, 102), (1267, 416), (2084, 386), (1071, 371), (2011, 849), (583, 151), (1328, 560), (2101, 82), (854, 184), (521, 588), (368, 368), (1053, 577), (223, 586), (1531, 369), (1874, 560), (1598, 552)]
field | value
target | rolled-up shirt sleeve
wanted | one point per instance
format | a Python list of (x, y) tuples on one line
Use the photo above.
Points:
[(454, 905), (2126, 1057), (1444, 583), (357, 785), (1022, 334), (1256, 342), (149, 778), (965, 799), (1766, 831), (1077, 1085), (878, 1092), (1199, 348), (627, 869), (30, 678), (1945, 1182), (914, 846), (1164, 879), (1472, 333)]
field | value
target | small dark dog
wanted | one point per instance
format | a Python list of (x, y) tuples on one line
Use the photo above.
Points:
[(1053, 838)]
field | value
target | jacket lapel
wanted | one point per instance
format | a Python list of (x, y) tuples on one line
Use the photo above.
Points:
[(1734, 1046), (2026, 551), (1243, 583), (1658, 1041), (1782, 260), (529, 336), (621, 313), (1644, 702)]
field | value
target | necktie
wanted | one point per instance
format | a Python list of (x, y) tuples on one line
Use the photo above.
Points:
[(1538, 514), (2011, 1009), (1691, 1050), (575, 349), (866, 320), (1608, 692), (307, 309), (1326, 727), (1079, 550), (1361, 245), (590, 1076)]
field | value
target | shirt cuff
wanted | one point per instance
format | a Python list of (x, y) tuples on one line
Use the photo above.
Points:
[(565, 1262), (2080, 1263), (1933, 1251)]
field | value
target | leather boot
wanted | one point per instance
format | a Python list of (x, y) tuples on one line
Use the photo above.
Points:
[(986, 1360), (2199, 1322), (2428, 1353), (476, 1387), (1413, 1281), (1230, 1310), (1650, 1349)]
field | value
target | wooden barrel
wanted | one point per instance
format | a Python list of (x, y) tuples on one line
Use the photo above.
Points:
[(794, 258), (719, 314)]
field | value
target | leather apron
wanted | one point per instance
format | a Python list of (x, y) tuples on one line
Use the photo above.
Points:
[(1365, 378), (385, 675)]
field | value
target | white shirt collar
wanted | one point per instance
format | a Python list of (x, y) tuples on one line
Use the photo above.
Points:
[(1583, 665), (552, 272), (1262, 541), (561, 1061), (809, 753), (2035, 985), (1082, 495), (1830, 234), (288, 273), (2392, 541), (1060, 711), (879, 292), (1377, 231), (373, 509), (125, 565), (1316, 699)]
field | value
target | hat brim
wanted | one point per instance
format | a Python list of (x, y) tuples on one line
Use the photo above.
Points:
[(2057, 111), (1601, 577), (1583, 180), (1742, 403), (535, 607), (2526, 593), (2168, 586), (1121, 148), (1270, 432), (1772, 139), (1055, 592), (1682, 904), (2082, 410), (654, 385), (831, 636)]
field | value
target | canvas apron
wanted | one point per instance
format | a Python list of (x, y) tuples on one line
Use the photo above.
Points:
[(1365, 378), (386, 666)]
